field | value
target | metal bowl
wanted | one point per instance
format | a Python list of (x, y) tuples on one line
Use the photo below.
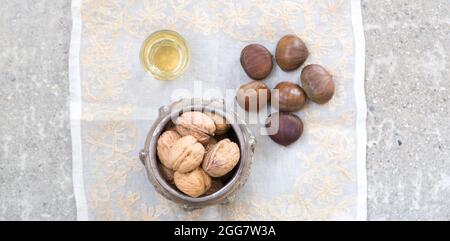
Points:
[(241, 135)]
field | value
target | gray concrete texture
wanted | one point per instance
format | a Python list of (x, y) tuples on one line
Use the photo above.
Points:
[(35, 142), (407, 87), (408, 97)]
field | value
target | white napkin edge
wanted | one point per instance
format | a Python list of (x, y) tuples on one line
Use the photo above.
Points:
[(75, 113), (361, 106)]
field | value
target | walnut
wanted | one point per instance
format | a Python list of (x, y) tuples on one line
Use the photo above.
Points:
[(166, 173), (194, 183), (222, 126), (186, 154), (165, 142), (222, 158), (196, 124), (216, 185)]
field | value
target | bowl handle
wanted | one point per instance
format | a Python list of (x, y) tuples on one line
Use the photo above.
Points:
[(143, 156)]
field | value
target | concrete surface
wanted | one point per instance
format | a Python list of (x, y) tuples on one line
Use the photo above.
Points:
[(35, 145), (408, 91), (408, 97)]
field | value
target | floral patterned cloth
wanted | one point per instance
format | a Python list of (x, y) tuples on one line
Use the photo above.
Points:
[(114, 102)]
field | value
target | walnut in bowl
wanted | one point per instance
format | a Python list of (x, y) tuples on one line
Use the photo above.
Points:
[(192, 188)]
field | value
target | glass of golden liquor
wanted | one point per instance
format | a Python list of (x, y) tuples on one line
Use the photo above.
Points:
[(165, 54)]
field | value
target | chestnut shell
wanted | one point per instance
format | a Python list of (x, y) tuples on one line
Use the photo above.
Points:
[(291, 97), (256, 61), (318, 83), (291, 52), (250, 92), (290, 128)]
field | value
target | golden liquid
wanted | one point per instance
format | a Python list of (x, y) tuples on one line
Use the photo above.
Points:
[(166, 58), (165, 55)]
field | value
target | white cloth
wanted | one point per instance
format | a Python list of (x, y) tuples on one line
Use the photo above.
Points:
[(114, 102)]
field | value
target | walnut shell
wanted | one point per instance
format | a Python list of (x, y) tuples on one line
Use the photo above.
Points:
[(222, 158), (222, 126), (193, 184), (186, 154), (165, 142), (166, 173), (196, 124)]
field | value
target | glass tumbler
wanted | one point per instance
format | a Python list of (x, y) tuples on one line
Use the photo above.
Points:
[(165, 54)]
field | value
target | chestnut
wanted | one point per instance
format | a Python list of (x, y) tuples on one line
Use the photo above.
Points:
[(317, 83), (291, 97), (256, 61), (284, 128), (253, 96), (291, 52)]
